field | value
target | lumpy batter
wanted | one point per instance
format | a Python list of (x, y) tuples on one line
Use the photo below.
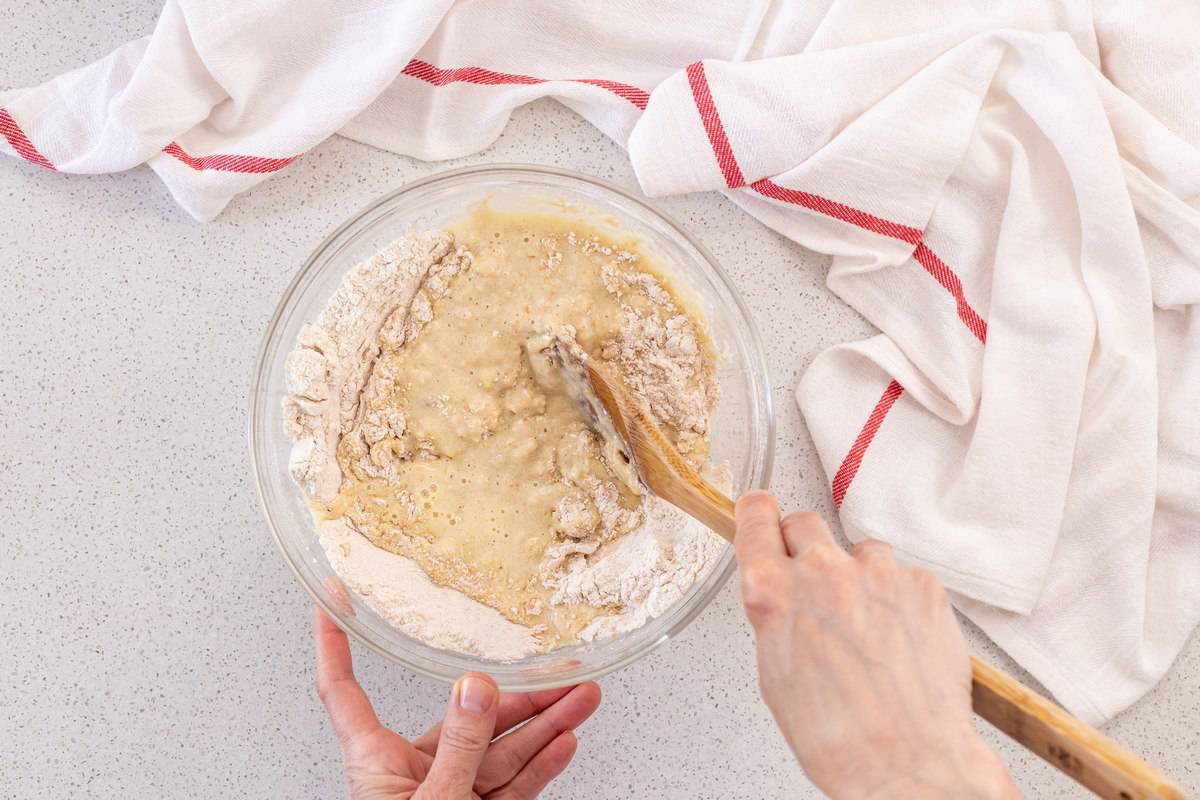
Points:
[(464, 451)]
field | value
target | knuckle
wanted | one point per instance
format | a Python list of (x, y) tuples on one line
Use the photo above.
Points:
[(445, 786), (803, 521), (754, 529), (761, 591), (760, 577), (760, 609), (822, 557), (920, 577), (873, 549), (459, 737), (878, 566), (929, 583), (755, 502), (509, 763)]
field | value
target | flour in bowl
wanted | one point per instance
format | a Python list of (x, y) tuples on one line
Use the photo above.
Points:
[(455, 486)]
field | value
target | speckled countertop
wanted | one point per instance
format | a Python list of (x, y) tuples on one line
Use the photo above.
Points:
[(154, 642)]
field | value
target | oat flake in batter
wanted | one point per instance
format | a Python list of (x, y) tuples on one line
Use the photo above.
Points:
[(455, 485)]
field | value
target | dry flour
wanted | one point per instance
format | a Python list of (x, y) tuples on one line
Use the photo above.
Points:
[(627, 564)]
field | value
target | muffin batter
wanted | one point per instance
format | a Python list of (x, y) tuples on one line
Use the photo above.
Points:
[(455, 445)]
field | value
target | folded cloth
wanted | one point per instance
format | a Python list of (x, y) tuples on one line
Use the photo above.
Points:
[(1010, 194)]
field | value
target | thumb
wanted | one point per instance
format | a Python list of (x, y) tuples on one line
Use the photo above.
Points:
[(466, 733)]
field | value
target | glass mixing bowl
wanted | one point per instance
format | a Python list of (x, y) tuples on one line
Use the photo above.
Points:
[(743, 426)]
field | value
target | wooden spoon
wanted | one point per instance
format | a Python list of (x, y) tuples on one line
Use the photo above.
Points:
[(1083, 753)]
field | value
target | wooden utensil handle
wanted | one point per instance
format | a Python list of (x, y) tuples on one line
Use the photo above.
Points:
[(1083, 753), (707, 504), (1087, 756), (1093, 760)]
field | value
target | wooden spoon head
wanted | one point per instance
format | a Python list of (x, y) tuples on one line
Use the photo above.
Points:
[(621, 420), (595, 398), (635, 445)]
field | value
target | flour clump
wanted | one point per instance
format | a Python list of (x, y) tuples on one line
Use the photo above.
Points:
[(455, 486)]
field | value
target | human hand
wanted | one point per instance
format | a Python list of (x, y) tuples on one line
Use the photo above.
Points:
[(861, 662), (456, 758)]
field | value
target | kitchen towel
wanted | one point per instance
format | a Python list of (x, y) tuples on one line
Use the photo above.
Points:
[(1009, 192)]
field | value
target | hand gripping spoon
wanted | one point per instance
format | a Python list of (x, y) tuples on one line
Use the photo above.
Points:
[(632, 439)]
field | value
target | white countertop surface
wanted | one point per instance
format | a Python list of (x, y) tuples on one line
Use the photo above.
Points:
[(154, 642)]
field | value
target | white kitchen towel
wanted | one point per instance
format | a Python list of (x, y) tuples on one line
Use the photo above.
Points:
[(1010, 193)]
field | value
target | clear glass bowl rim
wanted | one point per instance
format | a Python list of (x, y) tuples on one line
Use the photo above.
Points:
[(259, 389)]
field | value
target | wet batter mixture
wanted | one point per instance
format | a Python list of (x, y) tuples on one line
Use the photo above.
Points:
[(458, 447)]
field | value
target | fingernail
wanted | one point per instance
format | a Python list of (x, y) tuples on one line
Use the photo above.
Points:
[(475, 694)]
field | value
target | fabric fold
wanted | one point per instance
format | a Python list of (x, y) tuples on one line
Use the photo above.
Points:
[(1009, 193)]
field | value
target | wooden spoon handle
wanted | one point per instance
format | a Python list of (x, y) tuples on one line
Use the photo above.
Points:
[(1087, 756), (1090, 758), (706, 503), (1083, 753)]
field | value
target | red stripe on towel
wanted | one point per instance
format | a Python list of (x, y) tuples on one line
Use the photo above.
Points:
[(850, 464), (831, 208), (735, 178), (427, 72), (702, 95), (951, 283), (18, 141), (228, 163)]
